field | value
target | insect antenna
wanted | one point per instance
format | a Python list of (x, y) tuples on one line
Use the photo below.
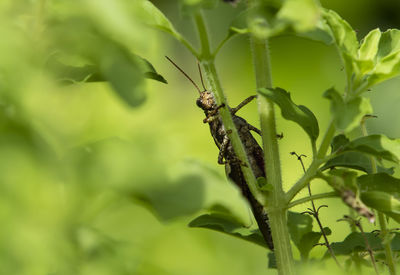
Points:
[(185, 74), (201, 75)]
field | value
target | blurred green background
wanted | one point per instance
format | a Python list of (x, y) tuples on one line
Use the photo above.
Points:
[(91, 185)]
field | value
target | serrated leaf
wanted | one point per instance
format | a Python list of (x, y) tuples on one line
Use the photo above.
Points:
[(348, 115), (229, 225), (387, 67), (290, 111), (345, 36), (377, 145), (355, 242), (389, 43)]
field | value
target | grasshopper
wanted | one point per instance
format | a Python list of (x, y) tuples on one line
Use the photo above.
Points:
[(227, 155)]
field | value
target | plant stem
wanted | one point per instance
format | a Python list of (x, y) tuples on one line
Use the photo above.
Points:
[(313, 197), (381, 217), (368, 246), (311, 171), (315, 213), (207, 63), (277, 207)]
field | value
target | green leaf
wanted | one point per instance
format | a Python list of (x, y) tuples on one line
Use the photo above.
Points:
[(381, 191), (152, 16), (125, 76), (182, 198), (229, 225), (355, 242), (387, 67), (302, 15), (380, 182), (300, 230), (338, 142), (290, 111), (345, 36), (298, 224), (369, 45), (355, 160), (150, 72), (348, 115), (344, 181), (376, 145), (389, 43), (383, 202), (91, 73)]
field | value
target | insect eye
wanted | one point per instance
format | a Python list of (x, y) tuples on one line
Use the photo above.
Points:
[(198, 102)]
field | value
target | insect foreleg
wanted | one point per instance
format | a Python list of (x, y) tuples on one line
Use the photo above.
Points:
[(222, 150), (255, 129), (242, 104)]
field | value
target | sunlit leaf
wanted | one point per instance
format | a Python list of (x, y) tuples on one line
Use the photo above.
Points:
[(151, 15), (230, 225), (369, 45), (302, 15), (389, 43), (290, 111), (345, 37), (387, 67), (348, 115)]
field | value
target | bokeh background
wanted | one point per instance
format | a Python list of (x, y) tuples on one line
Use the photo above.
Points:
[(91, 185)]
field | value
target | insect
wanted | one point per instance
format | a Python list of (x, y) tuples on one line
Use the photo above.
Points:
[(227, 155)]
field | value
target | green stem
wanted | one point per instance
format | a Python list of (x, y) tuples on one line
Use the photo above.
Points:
[(386, 244), (207, 63), (203, 34), (187, 44), (381, 216), (277, 207), (313, 197)]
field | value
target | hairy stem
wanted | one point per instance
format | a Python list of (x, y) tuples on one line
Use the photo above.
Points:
[(313, 197), (277, 207)]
